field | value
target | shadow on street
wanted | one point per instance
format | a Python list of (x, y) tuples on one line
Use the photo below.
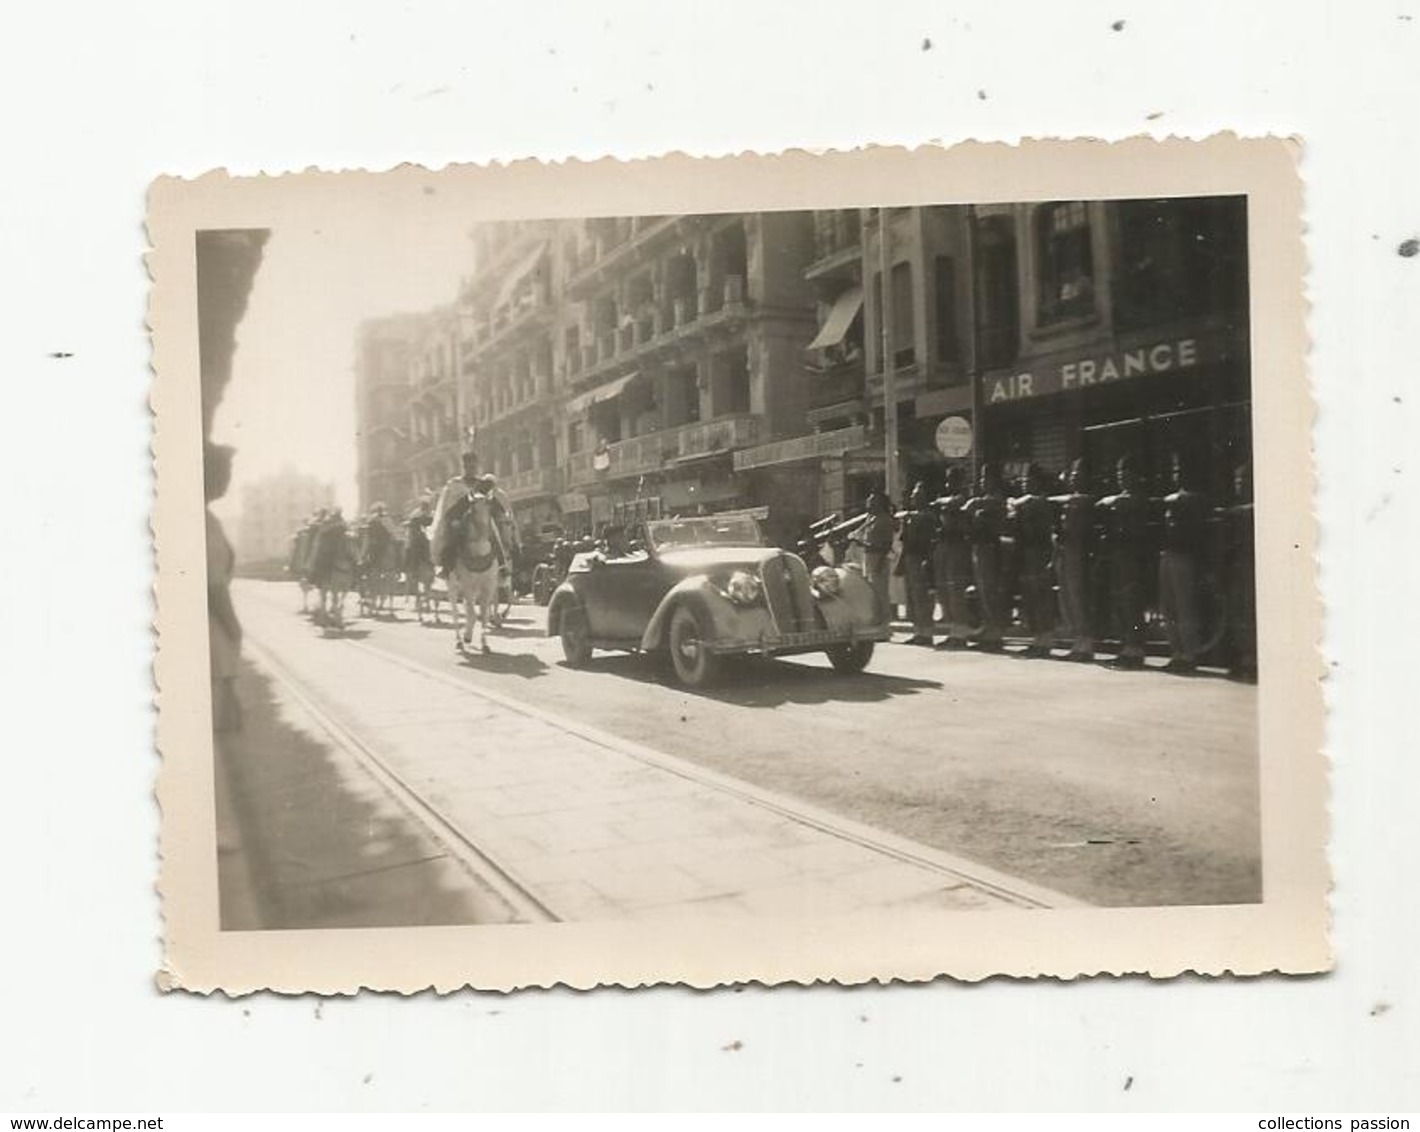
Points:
[(309, 847), (765, 683)]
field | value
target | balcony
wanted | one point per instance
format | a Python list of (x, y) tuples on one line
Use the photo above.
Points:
[(630, 344), (612, 250), (837, 384), (838, 244), (508, 322), (531, 483), (656, 451)]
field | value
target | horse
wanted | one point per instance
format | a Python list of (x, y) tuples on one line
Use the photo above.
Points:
[(332, 571), (473, 552), (379, 560), (297, 564), (419, 568)]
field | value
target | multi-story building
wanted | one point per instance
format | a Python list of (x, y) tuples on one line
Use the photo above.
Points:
[(432, 437), (511, 315), (684, 347), (619, 363), (1115, 327), (1034, 320), (385, 361), (688, 363), (272, 509)]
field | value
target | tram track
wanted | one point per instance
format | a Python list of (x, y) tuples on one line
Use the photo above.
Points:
[(489, 876), (1000, 886)]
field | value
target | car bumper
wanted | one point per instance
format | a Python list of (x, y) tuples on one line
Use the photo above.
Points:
[(800, 642)]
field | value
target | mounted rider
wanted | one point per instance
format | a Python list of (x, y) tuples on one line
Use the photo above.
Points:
[(467, 546)]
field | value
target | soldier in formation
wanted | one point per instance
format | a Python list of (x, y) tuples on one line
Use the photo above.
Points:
[(1050, 543)]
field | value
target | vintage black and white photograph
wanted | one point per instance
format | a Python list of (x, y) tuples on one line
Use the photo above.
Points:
[(724, 569)]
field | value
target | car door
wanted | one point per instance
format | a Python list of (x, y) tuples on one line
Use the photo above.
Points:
[(623, 593)]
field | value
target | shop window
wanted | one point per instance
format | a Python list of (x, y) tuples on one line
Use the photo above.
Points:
[(1064, 261), (946, 308)]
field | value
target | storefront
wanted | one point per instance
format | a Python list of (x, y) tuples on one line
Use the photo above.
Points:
[(1150, 396)]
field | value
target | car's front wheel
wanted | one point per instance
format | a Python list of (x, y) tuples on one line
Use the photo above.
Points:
[(851, 659), (694, 664), (576, 637)]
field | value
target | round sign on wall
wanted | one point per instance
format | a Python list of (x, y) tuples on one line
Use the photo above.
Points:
[(954, 437)]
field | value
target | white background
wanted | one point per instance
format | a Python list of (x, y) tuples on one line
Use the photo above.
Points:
[(99, 98)]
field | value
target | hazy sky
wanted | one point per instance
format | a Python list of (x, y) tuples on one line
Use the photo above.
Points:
[(291, 400)]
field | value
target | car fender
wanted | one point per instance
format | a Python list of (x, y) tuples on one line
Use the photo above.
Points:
[(695, 592), (564, 597), (852, 606)]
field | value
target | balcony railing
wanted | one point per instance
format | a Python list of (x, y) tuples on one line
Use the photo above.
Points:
[(620, 240), (655, 450)]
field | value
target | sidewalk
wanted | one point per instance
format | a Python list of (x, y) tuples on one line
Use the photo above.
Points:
[(592, 826)]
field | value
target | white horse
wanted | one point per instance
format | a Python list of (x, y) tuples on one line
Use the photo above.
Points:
[(476, 553)]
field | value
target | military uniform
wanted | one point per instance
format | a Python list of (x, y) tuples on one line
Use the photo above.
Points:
[(1034, 519), (1125, 535), (952, 567), (1074, 538), (876, 537), (1178, 576), (986, 518), (1239, 563), (920, 533)]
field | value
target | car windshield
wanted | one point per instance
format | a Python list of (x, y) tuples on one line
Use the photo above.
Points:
[(710, 530)]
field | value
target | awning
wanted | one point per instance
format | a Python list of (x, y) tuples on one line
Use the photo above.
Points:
[(579, 405), (518, 273), (840, 318)]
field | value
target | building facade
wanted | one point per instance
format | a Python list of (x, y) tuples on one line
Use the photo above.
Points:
[(678, 364), (1113, 328), (1043, 332), (386, 353), (431, 433), (272, 509), (617, 365)]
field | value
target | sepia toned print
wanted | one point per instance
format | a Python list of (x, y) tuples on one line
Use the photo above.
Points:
[(682, 571)]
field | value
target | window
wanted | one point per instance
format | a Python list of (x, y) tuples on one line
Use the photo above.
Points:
[(1178, 258), (731, 382), (574, 437), (904, 324), (997, 297), (682, 397), (1064, 261), (573, 348), (946, 308)]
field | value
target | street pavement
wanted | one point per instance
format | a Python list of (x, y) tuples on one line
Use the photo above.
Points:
[(959, 780)]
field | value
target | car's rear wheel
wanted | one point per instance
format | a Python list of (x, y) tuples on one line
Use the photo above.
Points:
[(694, 664), (851, 659), (576, 637)]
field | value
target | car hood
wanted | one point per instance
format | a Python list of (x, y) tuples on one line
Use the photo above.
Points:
[(693, 559)]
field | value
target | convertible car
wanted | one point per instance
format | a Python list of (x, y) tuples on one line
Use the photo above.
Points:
[(702, 589)]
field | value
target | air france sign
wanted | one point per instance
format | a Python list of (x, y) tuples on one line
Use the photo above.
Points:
[(1171, 356)]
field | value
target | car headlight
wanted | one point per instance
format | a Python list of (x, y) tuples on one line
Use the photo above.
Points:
[(825, 580), (744, 588)]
